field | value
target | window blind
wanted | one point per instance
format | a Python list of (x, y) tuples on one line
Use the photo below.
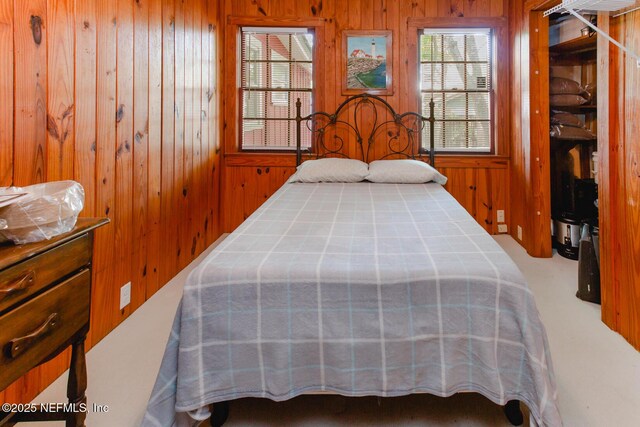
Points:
[(276, 69), (455, 71)]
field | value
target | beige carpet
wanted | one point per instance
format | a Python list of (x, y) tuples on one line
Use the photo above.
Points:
[(598, 373)]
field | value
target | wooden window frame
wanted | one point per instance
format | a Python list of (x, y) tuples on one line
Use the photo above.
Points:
[(232, 113), (500, 120), (268, 91), (443, 92)]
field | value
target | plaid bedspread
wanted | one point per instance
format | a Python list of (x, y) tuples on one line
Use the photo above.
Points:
[(360, 289)]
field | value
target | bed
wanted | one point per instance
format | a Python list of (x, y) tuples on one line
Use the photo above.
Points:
[(357, 289)]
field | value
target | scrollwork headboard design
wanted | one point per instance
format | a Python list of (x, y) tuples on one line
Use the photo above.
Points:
[(401, 131)]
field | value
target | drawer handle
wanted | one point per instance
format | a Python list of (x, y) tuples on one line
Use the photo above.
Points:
[(19, 285), (18, 345)]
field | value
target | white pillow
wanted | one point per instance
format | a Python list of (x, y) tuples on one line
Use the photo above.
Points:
[(404, 172), (331, 170)]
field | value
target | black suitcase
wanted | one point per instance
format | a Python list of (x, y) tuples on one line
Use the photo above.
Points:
[(588, 268)]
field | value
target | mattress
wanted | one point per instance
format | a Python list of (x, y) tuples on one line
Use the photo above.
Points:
[(358, 289)]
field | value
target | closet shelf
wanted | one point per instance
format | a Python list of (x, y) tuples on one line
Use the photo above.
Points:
[(573, 46), (573, 141), (580, 109)]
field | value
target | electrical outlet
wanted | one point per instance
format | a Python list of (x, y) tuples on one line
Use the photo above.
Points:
[(502, 228), (519, 233), (125, 295), (500, 215)]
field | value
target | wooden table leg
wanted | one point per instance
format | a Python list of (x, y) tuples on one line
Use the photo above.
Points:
[(77, 385)]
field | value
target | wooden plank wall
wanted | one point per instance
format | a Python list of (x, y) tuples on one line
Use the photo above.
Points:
[(480, 183), (537, 196), (530, 157), (519, 151), (121, 96), (619, 177), (6, 92)]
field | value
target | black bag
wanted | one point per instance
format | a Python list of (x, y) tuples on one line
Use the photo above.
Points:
[(588, 269)]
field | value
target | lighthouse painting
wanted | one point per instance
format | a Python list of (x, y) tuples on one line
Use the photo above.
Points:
[(368, 62)]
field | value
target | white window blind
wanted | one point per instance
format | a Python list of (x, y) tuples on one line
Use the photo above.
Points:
[(455, 71), (276, 68)]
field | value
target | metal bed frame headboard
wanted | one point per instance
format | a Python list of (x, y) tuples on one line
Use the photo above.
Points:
[(410, 123)]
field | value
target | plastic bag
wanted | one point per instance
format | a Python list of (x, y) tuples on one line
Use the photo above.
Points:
[(567, 100), (562, 86), (51, 209), (571, 133), (566, 119), (591, 93), (3, 225)]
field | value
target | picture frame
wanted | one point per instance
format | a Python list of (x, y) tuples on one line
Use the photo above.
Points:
[(367, 62)]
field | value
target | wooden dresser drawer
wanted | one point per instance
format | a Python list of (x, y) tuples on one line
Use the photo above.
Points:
[(19, 282), (32, 332)]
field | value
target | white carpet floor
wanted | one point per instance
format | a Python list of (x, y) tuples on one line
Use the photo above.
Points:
[(597, 372)]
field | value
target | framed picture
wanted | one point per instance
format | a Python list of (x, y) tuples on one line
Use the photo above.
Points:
[(367, 62)]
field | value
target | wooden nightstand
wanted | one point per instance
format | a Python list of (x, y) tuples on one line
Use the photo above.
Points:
[(45, 300)]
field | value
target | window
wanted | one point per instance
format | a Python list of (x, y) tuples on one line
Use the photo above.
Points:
[(254, 107), (456, 71), (276, 69), (280, 79)]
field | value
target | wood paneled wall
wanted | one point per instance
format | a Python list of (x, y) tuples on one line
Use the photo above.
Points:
[(480, 183), (530, 155), (519, 153), (619, 177), (121, 96)]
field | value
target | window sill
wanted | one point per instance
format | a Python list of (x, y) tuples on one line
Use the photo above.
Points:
[(464, 161), (472, 161), (264, 159)]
